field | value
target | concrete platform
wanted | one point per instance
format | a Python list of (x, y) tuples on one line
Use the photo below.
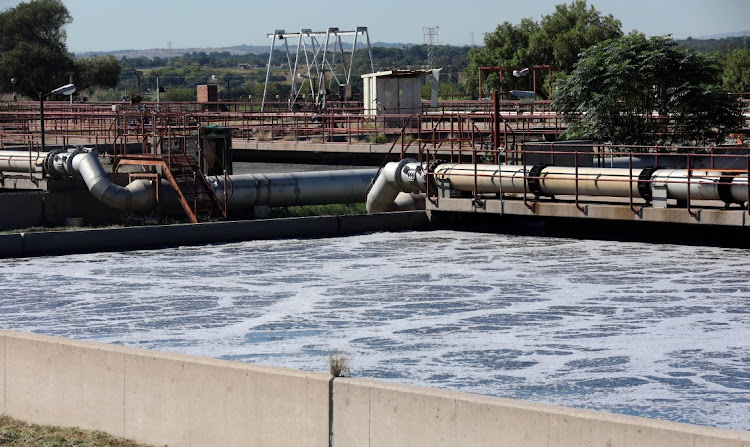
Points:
[(703, 213)]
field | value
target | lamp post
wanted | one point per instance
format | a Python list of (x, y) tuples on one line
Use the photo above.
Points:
[(67, 89), (13, 81)]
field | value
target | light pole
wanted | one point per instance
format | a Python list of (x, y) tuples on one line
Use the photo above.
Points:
[(67, 89), (13, 81), (70, 81)]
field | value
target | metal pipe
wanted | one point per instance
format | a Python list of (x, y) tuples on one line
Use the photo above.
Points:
[(405, 176), (136, 196), (19, 161), (300, 188), (554, 181)]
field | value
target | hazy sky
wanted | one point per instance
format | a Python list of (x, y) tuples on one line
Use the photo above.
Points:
[(101, 25)]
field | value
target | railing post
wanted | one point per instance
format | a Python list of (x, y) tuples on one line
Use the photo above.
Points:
[(689, 175), (580, 208)]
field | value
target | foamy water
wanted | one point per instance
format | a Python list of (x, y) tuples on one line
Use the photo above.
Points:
[(653, 330)]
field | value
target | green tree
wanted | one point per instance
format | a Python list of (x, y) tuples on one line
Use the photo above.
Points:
[(635, 90), (33, 50), (101, 71), (737, 71), (32, 46), (557, 40)]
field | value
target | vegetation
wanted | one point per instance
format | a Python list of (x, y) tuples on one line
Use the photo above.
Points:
[(14, 433), (33, 51), (339, 364), (556, 40), (618, 85), (320, 210), (719, 46), (737, 71)]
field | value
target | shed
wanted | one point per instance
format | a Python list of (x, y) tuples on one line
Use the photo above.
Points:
[(393, 92)]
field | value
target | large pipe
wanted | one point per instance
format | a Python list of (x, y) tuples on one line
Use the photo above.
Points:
[(405, 176), (557, 180), (553, 180), (21, 161), (246, 191), (292, 189), (136, 196)]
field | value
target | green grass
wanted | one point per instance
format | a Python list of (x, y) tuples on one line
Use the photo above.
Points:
[(14, 433), (344, 209)]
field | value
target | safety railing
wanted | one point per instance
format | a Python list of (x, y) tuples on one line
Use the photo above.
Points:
[(705, 177)]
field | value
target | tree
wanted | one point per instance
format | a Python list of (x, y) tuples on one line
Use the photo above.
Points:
[(557, 40), (33, 50), (102, 71), (32, 46), (737, 71), (635, 90), (569, 30)]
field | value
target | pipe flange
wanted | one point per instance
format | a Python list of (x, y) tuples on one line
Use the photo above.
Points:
[(534, 179), (644, 183), (48, 166), (724, 188), (399, 172), (431, 167)]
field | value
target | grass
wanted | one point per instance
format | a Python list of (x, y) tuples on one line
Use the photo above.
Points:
[(343, 209), (14, 433), (44, 229), (378, 138)]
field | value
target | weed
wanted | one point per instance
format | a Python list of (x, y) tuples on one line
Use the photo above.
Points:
[(263, 136), (378, 138), (339, 363)]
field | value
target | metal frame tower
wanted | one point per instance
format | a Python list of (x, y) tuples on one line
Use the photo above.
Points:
[(431, 39), (320, 67)]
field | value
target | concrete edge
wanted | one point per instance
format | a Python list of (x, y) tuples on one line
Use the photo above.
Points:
[(162, 355), (554, 410), (161, 236), (11, 245)]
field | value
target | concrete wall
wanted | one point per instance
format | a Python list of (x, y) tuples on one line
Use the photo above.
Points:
[(147, 237), (372, 414), (179, 400), (21, 210), (160, 398)]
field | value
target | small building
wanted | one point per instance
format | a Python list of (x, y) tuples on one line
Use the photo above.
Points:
[(394, 92), (207, 93)]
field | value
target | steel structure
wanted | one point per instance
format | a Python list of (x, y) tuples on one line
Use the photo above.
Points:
[(320, 67), (431, 39)]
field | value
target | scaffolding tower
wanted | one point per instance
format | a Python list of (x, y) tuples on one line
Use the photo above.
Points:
[(431, 39), (320, 68)]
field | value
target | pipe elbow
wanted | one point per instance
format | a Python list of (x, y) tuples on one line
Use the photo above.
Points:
[(405, 176)]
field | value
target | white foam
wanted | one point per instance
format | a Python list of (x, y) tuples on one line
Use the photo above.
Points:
[(654, 330)]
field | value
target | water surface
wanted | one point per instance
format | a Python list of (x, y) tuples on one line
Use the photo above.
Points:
[(652, 330)]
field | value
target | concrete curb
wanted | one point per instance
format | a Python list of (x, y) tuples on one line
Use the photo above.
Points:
[(11, 245), (153, 237)]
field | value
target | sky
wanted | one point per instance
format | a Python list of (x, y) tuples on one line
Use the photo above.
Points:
[(108, 25)]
